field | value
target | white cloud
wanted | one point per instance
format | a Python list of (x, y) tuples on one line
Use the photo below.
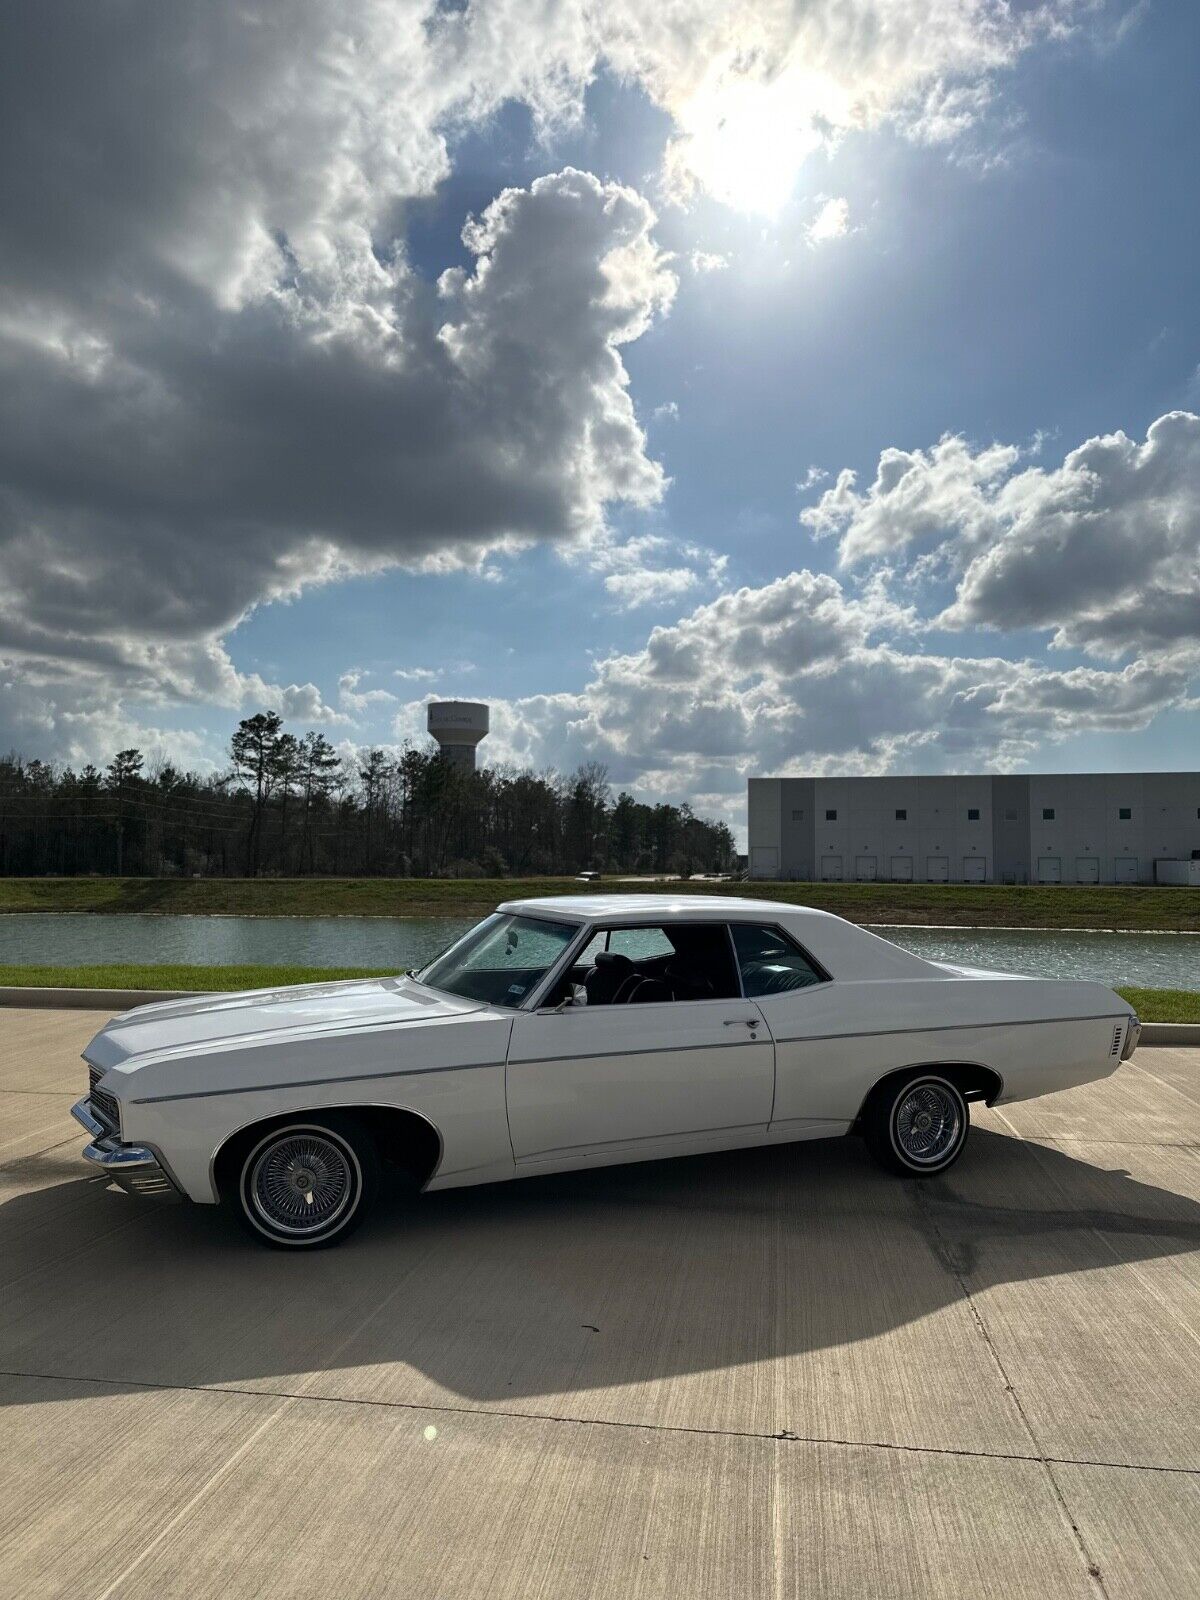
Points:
[(705, 261), (651, 585), (832, 221), (799, 675), (916, 495), (755, 89), (148, 506), (652, 569), (222, 382), (358, 701), (667, 412), (1103, 552)]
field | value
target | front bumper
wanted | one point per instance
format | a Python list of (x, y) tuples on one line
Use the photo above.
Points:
[(1132, 1036), (135, 1167)]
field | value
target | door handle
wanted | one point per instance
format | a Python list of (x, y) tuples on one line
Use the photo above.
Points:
[(741, 1022)]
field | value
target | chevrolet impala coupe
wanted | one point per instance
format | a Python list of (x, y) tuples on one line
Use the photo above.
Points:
[(577, 1032)]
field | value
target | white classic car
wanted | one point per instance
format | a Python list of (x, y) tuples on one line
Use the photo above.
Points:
[(576, 1032)]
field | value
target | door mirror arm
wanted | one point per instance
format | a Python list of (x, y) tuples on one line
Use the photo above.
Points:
[(576, 995)]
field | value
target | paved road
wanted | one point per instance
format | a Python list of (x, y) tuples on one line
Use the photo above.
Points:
[(769, 1374)]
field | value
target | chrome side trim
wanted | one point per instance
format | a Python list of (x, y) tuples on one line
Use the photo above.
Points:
[(654, 1050), (945, 1027), (313, 1083)]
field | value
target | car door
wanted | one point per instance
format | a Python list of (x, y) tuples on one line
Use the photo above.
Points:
[(815, 1093), (593, 1083)]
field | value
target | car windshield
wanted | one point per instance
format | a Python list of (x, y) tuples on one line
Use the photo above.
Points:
[(501, 961)]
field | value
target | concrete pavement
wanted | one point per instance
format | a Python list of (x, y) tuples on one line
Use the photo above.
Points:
[(773, 1373)]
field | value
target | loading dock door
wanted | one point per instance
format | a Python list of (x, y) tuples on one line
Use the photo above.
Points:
[(1125, 869), (764, 861), (937, 869), (866, 868), (1049, 869), (974, 869), (902, 869), (831, 869), (1087, 869)]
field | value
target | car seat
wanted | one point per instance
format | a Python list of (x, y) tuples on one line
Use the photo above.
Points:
[(609, 974)]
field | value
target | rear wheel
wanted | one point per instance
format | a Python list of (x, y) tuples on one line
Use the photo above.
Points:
[(307, 1183), (917, 1126)]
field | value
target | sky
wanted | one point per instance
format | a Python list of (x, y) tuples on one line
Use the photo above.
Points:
[(714, 390)]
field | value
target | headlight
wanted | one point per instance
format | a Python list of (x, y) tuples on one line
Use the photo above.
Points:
[(1132, 1035)]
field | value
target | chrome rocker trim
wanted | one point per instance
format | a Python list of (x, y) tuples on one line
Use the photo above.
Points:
[(135, 1167)]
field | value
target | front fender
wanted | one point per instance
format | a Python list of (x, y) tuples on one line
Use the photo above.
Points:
[(450, 1072)]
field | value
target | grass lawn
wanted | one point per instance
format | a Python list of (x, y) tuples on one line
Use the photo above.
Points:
[(959, 905), (1152, 1005), (212, 980), (1163, 1005)]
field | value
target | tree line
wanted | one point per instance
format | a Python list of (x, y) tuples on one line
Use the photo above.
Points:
[(291, 805)]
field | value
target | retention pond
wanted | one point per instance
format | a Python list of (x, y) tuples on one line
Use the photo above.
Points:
[(1150, 960)]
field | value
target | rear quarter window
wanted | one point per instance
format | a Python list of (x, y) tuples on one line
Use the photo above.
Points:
[(770, 962)]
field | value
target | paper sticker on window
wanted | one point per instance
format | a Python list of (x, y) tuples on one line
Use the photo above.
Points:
[(516, 988)]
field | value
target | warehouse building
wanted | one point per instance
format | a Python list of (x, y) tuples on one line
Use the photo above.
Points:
[(1118, 827)]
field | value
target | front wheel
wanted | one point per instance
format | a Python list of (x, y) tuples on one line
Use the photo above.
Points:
[(917, 1126), (307, 1183)]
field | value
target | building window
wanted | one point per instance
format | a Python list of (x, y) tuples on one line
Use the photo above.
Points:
[(831, 816), (972, 813), (901, 815), (797, 816), (1047, 813), (1010, 816), (1125, 813)]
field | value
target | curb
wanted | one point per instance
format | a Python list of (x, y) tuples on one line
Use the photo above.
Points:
[(1169, 1033), (111, 1000)]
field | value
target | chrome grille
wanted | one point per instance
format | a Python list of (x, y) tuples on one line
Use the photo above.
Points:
[(103, 1104)]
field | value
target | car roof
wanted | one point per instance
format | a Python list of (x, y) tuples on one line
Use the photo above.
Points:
[(662, 907)]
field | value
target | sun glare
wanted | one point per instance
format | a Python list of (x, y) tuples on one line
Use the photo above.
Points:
[(744, 141)]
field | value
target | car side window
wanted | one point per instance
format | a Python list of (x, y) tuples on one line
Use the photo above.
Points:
[(640, 944), (641, 965), (770, 962)]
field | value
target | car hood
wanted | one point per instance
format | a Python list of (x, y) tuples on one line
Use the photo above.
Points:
[(213, 1021)]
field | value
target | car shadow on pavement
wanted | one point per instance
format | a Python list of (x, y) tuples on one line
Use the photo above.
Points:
[(559, 1285)]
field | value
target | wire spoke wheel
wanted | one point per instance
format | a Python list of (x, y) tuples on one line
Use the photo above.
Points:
[(301, 1182), (927, 1124)]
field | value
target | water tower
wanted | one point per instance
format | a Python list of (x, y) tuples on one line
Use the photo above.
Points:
[(458, 726)]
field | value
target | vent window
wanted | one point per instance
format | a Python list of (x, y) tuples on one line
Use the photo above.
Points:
[(831, 816), (901, 815), (1047, 813), (972, 813), (1125, 813)]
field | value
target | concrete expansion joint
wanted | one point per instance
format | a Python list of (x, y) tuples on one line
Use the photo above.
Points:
[(779, 1436), (943, 1251)]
